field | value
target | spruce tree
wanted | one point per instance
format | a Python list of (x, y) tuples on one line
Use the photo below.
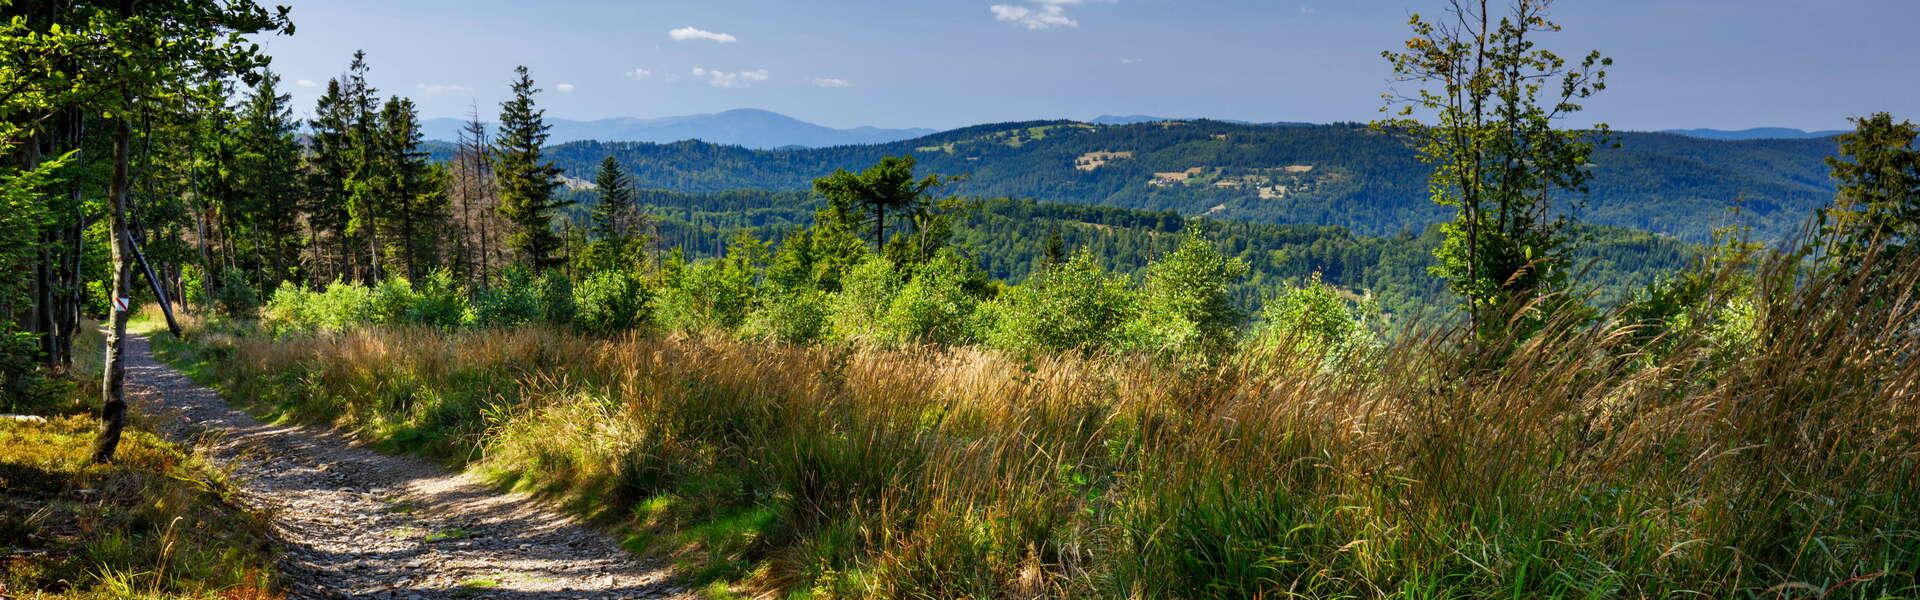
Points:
[(1878, 205), (614, 214), (527, 183), (412, 190), (364, 167), (267, 173), (329, 165)]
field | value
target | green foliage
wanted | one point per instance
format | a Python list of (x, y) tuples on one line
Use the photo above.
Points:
[(1496, 153), (527, 182), (1316, 320), (610, 302), (888, 185), (519, 298), (437, 301), (1075, 306), (338, 308), (936, 305), (1185, 310), (235, 296), (708, 296), (793, 315), (1878, 205), (860, 308)]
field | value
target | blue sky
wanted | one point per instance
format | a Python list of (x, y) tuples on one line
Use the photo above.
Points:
[(949, 63)]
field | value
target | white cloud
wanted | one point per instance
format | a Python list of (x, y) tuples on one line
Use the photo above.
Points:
[(306, 83), (1132, 61), (1307, 10), (730, 79), (435, 89), (684, 34), (1046, 14), (564, 88), (638, 74), (831, 82)]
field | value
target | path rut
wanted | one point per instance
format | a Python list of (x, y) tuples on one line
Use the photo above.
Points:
[(359, 524)]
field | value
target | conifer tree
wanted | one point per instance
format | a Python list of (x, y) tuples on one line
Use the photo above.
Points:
[(527, 182), (329, 167), (412, 189), (267, 173), (613, 217), (1878, 205), (365, 203)]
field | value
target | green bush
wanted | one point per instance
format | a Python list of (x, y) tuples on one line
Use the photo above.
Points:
[(511, 303), (293, 310), (1075, 305), (437, 302), (1185, 309), (609, 302), (236, 296), (1315, 319), (797, 316), (555, 294), (866, 291), (708, 296), (937, 304), (393, 298)]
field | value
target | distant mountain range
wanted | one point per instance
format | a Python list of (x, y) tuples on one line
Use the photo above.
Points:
[(767, 130), (751, 128), (1757, 133)]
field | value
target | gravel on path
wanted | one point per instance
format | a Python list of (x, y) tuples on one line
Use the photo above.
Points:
[(355, 523)]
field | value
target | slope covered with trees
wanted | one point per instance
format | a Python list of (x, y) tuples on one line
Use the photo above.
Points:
[(1361, 179)]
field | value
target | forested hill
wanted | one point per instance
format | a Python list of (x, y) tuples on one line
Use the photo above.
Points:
[(1343, 174)]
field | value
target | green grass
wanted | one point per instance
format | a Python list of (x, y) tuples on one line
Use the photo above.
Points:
[(1776, 457), (156, 523)]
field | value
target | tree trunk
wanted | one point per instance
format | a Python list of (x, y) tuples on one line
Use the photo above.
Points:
[(159, 292), (113, 410)]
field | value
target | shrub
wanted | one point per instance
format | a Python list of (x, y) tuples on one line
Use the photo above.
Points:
[(707, 296), (796, 316), (1185, 310), (236, 296), (555, 294), (1072, 306), (609, 302), (437, 302), (937, 304), (866, 291), (340, 306), (393, 298), (511, 303), (1315, 320)]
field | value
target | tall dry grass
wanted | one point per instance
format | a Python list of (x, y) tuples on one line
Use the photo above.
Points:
[(1776, 456)]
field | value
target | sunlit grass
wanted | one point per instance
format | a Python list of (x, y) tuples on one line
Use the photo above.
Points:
[(1584, 463)]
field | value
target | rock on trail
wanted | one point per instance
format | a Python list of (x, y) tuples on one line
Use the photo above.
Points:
[(359, 524)]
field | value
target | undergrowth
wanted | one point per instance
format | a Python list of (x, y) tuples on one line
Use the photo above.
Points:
[(157, 522), (1764, 443)]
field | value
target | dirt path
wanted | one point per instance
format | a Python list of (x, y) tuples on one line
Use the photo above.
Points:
[(359, 524)]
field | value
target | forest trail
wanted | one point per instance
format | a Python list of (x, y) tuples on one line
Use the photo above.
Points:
[(355, 523)]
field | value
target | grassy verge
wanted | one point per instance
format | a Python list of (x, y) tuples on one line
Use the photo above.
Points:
[(158, 522), (1779, 460)]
